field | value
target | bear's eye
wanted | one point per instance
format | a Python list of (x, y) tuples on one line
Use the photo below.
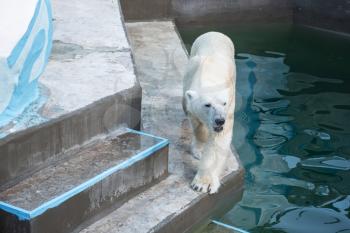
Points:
[(225, 104), (207, 105)]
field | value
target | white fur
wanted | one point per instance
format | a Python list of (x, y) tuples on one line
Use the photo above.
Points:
[(210, 80)]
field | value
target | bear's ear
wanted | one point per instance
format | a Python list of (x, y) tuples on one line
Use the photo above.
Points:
[(190, 95)]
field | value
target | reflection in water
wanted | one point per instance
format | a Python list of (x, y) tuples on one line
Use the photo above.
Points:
[(291, 128), (310, 219), (293, 167)]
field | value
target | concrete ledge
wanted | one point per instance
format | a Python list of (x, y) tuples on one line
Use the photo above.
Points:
[(205, 207), (123, 166), (170, 206)]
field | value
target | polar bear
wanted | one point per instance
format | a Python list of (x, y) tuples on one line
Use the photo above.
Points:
[(209, 102)]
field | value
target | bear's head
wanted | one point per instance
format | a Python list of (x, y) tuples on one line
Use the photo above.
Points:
[(211, 110)]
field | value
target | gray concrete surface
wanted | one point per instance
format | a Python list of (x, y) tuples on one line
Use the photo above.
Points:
[(89, 84), (91, 56), (171, 205)]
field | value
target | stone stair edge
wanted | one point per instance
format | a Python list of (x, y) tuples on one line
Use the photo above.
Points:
[(24, 214)]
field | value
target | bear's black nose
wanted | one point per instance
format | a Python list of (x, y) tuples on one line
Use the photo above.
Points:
[(220, 121)]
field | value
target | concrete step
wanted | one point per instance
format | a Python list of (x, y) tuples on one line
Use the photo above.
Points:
[(28, 151), (169, 207), (66, 196)]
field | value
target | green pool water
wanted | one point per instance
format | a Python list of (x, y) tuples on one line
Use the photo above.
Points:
[(292, 128)]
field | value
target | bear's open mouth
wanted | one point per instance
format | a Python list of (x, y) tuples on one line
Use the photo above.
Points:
[(218, 129)]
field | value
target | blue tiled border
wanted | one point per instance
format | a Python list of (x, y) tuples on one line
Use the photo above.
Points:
[(23, 214), (229, 226)]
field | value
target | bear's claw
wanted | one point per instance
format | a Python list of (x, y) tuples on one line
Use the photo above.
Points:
[(205, 184)]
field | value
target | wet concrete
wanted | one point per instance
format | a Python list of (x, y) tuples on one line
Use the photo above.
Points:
[(171, 205)]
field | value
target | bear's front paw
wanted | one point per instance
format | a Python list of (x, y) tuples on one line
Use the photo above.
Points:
[(206, 184)]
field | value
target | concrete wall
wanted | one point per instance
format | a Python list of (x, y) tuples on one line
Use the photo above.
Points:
[(332, 15), (189, 12)]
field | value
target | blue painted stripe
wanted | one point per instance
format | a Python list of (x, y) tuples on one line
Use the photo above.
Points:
[(50, 31), (229, 226), (22, 214), (27, 215), (146, 134)]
